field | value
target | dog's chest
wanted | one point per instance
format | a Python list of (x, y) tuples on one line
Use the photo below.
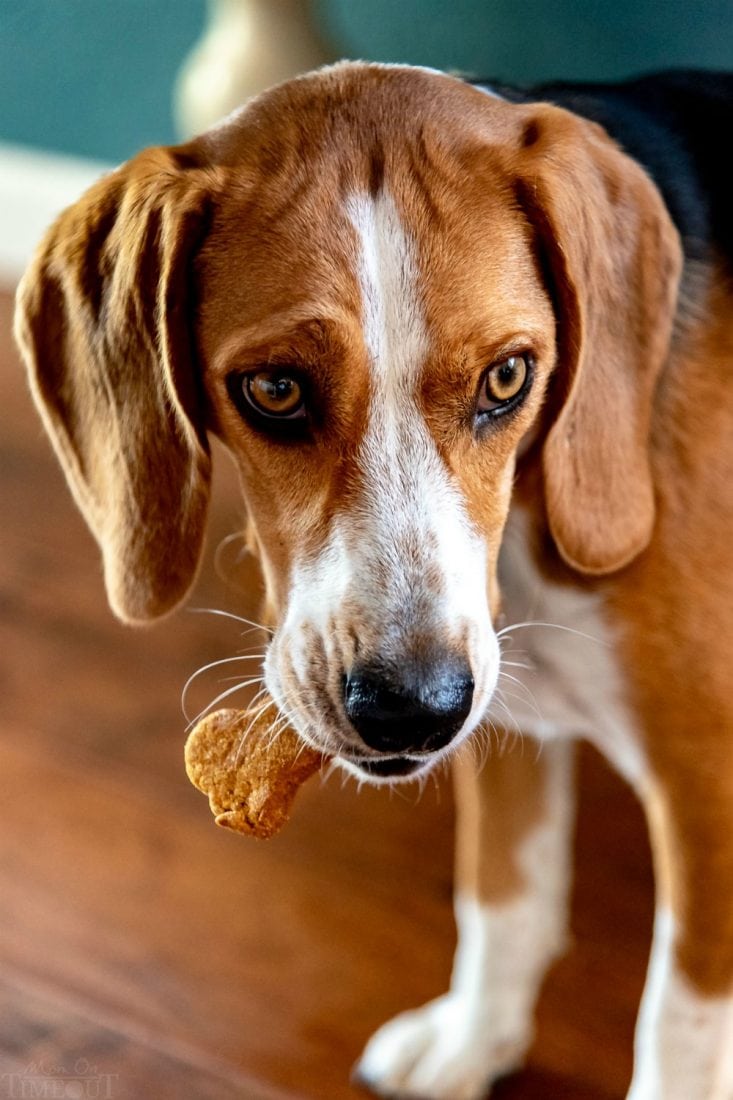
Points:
[(572, 685)]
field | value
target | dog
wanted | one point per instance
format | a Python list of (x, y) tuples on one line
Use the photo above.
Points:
[(471, 348)]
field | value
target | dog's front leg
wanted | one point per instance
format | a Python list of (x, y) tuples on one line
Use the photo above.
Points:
[(514, 819), (684, 1034)]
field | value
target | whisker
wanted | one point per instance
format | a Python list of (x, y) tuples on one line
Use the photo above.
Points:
[(501, 690), (520, 684), (514, 679), (421, 782), (301, 747), (479, 745), (400, 790), (512, 741), (213, 664), (255, 716), (554, 626), (223, 544), (519, 699), (278, 726), (224, 695), (513, 652), (228, 679), (512, 726), (255, 712), (230, 615), (501, 701), (328, 771)]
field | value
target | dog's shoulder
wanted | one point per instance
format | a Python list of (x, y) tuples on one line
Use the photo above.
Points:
[(676, 125)]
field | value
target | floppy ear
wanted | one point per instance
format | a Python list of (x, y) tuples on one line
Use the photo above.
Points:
[(615, 260), (102, 323)]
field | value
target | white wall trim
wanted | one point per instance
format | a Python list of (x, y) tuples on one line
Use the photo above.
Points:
[(34, 187)]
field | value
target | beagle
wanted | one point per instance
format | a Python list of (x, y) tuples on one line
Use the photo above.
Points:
[(472, 351)]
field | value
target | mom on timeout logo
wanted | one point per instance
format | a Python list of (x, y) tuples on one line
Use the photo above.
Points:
[(43, 1081)]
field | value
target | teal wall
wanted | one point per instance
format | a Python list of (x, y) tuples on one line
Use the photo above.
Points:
[(530, 40), (94, 77)]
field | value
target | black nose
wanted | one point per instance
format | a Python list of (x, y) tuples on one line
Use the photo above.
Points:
[(419, 713)]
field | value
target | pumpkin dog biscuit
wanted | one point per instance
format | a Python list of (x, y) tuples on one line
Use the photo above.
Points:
[(251, 779)]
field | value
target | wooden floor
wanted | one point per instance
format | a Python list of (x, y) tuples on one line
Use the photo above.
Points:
[(155, 956)]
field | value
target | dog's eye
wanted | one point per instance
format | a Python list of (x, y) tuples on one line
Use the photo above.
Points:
[(275, 394), (504, 384)]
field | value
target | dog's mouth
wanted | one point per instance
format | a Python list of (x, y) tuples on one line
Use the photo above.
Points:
[(389, 767)]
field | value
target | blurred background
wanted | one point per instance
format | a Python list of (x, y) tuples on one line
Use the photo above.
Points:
[(97, 80), (143, 953)]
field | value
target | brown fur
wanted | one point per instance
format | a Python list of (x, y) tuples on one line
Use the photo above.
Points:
[(673, 609), (498, 807), (102, 323)]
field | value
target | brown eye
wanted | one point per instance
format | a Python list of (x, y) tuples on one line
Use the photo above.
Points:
[(504, 384), (275, 394)]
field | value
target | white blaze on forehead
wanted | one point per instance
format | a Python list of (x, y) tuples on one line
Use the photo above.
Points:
[(411, 516), (394, 328)]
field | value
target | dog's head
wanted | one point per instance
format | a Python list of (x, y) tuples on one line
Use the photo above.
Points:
[(376, 284)]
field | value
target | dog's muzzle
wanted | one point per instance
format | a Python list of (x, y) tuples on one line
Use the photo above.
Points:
[(411, 713)]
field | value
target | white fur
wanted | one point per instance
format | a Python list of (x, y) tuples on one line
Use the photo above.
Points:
[(394, 329), (454, 1047), (684, 1041), (573, 687)]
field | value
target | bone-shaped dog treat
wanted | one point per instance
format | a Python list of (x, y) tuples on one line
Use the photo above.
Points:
[(250, 777)]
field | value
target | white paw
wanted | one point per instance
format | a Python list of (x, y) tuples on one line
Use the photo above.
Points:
[(442, 1051)]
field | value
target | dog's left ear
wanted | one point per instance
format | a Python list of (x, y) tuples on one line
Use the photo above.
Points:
[(103, 322), (614, 260)]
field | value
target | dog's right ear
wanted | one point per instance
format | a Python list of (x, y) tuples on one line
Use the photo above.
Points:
[(102, 322), (614, 260)]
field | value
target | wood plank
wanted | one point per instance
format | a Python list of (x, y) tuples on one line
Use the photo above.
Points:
[(203, 937), (50, 1049)]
